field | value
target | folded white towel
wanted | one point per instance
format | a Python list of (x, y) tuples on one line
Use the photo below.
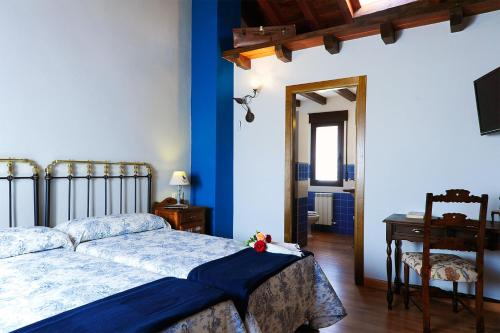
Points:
[(283, 248)]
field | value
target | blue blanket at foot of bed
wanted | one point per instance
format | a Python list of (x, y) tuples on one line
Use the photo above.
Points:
[(147, 308), (239, 274)]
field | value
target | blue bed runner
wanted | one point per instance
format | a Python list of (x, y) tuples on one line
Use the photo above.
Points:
[(239, 274), (147, 308)]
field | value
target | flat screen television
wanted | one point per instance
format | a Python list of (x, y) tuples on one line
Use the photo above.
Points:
[(488, 101)]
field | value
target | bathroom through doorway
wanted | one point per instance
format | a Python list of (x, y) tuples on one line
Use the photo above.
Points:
[(325, 155)]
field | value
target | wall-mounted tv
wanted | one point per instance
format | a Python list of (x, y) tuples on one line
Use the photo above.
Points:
[(488, 101)]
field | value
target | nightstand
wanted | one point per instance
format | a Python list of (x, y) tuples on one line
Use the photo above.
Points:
[(190, 219)]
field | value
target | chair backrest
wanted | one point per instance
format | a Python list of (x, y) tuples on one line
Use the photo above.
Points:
[(455, 231)]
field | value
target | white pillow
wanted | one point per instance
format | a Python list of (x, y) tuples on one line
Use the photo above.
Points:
[(90, 228), (22, 240)]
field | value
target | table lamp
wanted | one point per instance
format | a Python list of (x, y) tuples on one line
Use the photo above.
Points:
[(180, 179)]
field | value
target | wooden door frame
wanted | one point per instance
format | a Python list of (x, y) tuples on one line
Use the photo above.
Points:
[(290, 156)]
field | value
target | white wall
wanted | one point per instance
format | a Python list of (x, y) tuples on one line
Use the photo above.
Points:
[(97, 80), (422, 130)]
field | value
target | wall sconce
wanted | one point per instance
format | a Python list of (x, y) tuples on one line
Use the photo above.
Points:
[(245, 101)]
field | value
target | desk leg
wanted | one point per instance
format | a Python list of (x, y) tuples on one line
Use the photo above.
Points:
[(397, 263), (389, 275)]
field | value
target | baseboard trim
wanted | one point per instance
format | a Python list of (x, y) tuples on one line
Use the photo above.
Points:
[(375, 284), (490, 304)]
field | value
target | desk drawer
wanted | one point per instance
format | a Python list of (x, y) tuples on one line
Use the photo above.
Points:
[(416, 231), (193, 216)]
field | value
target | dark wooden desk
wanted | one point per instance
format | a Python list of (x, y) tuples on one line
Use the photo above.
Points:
[(399, 228)]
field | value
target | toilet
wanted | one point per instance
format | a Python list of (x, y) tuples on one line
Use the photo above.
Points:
[(312, 218)]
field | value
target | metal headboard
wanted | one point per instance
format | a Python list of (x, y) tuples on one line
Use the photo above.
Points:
[(11, 164), (107, 176)]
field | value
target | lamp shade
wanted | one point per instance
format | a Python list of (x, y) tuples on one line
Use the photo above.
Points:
[(179, 178)]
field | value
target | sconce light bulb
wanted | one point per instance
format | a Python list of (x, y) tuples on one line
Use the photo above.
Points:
[(256, 85)]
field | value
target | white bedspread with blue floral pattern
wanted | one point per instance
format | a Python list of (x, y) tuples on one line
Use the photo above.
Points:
[(39, 285), (300, 293)]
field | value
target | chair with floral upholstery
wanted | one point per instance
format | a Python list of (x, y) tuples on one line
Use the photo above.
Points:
[(453, 231)]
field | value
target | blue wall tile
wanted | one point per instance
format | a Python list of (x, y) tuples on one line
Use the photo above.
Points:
[(350, 171), (310, 200), (302, 221), (301, 171)]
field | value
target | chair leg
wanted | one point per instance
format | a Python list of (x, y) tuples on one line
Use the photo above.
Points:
[(407, 286), (455, 296), (426, 305), (479, 308)]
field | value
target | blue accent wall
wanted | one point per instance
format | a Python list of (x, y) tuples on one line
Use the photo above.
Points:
[(212, 111)]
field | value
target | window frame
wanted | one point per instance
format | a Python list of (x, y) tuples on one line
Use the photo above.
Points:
[(324, 119)]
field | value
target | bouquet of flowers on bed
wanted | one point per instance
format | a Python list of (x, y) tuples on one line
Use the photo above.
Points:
[(259, 241)]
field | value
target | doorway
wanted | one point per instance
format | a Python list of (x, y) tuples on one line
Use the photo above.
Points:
[(293, 229)]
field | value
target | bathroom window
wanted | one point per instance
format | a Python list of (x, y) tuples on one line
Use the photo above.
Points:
[(327, 148)]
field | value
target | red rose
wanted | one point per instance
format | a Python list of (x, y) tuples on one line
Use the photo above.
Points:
[(269, 239), (260, 246)]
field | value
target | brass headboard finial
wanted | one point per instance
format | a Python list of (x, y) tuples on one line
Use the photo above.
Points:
[(35, 169), (106, 169), (94, 171), (122, 170), (92, 163), (12, 161), (70, 169), (90, 169), (48, 168), (10, 168)]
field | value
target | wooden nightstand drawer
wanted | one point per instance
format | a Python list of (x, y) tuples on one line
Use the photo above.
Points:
[(193, 227), (193, 216), (191, 219)]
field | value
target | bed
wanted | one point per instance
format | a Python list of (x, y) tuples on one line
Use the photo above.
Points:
[(39, 285), (41, 275), (299, 294)]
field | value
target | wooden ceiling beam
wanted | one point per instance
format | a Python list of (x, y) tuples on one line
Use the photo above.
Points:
[(283, 53), (457, 22), (346, 10), (251, 14), (242, 62), (308, 13), (269, 12), (347, 94), (355, 5), (387, 33), (332, 44), (315, 97), (402, 17)]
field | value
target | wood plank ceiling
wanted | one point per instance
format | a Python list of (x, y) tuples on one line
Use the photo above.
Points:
[(330, 22), (306, 15)]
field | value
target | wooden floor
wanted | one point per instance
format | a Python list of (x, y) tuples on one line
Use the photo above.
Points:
[(367, 308)]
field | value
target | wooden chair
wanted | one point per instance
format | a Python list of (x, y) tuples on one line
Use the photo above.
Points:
[(453, 231)]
